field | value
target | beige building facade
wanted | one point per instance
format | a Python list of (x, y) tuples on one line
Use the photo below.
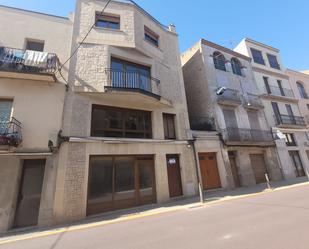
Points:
[(281, 106), (125, 125), (222, 95), (31, 105)]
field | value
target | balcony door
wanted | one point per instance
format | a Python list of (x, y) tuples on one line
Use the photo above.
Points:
[(290, 113), (276, 112), (231, 124), (126, 74), (254, 125), (5, 114)]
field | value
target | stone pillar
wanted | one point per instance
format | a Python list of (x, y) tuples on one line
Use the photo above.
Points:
[(275, 172), (161, 178)]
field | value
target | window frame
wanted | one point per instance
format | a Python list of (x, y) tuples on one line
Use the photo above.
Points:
[(301, 89), (34, 41), (109, 19), (219, 63), (290, 139), (236, 66), (273, 64), (124, 114), (168, 134), (151, 37), (258, 60)]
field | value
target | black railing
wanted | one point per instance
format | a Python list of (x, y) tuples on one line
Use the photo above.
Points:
[(202, 124), (230, 95), (279, 91), (289, 120), (10, 132), (132, 80), (252, 100), (246, 135), (27, 61)]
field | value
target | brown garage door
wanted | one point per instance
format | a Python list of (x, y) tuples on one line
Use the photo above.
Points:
[(209, 171), (259, 167)]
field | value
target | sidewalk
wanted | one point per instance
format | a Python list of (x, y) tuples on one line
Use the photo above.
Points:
[(210, 197)]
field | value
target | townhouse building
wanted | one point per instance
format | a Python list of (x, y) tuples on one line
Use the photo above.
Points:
[(31, 103), (125, 118), (281, 106), (223, 96)]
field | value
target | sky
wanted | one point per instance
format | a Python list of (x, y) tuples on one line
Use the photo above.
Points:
[(283, 24)]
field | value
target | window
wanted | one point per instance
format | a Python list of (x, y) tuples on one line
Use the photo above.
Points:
[(169, 126), (281, 88), (119, 122), (302, 90), (308, 107), (35, 45), (290, 139), (219, 61), (299, 170), (130, 75), (267, 85), (257, 56), (272, 59), (276, 112), (236, 66), (5, 113), (117, 182), (107, 21), (151, 37)]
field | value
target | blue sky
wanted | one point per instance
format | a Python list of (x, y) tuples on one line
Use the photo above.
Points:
[(282, 24)]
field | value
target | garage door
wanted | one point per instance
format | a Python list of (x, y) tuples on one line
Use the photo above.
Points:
[(259, 167)]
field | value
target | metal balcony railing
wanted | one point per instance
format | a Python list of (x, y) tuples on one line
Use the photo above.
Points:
[(246, 135), (253, 100), (10, 132), (132, 81), (202, 124), (289, 120), (278, 91), (230, 95), (27, 61)]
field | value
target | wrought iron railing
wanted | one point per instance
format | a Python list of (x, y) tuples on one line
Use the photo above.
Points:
[(10, 132), (132, 80), (27, 61), (252, 100), (289, 120), (246, 135), (202, 124), (231, 95), (279, 91)]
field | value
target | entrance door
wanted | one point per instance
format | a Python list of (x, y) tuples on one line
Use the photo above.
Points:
[(209, 171), (259, 167), (29, 199), (174, 175), (232, 158)]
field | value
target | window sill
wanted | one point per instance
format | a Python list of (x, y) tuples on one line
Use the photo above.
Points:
[(108, 29)]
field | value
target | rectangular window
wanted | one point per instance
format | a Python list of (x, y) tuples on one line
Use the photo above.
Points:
[(273, 62), (290, 139), (267, 84), (151, 37), (299, 169), (108, 21), (281, 88), (257, 56), (120, 122), (169, 126), (5, 114), (35, 45), (276, 112), (308, 107)]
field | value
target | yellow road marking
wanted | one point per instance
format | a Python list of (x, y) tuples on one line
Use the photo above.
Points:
[(138, 216)]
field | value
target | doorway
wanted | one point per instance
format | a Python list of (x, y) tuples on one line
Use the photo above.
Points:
[(259, 167), (174, 175), (232, 158), (29, 197), (209, 171)]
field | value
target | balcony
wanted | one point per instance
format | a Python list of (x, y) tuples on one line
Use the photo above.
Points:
[(279, 93), (10, 133), (234, 136), (253, 101), (289, 121), (28, 64), (229, 97), (132, 82), (202, 124)]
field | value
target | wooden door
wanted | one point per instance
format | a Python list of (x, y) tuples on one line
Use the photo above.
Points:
[(29, 199), (174, 175), (234, 169), (259, 167), (209, 171)]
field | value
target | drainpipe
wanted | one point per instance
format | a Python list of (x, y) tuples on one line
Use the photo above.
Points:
[(198, 175)]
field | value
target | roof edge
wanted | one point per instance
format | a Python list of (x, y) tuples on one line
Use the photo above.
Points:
[(261, 44)]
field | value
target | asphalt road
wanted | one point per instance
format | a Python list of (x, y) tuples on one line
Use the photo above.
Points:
[(277, 220)]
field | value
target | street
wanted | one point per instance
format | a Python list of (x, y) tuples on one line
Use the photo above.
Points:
[(275, 220)]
